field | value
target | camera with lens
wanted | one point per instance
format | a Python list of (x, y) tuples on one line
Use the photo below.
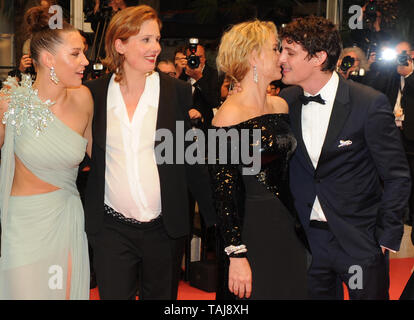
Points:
[(370, 13), (402, 58), (347, 63), (389, 56), (193, 61)]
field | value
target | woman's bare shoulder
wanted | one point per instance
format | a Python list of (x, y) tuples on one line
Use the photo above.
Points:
[(278, 104), (83, 98), (227, 115)]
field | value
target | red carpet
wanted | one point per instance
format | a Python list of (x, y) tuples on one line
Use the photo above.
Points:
[(185, 292), (400, 271)]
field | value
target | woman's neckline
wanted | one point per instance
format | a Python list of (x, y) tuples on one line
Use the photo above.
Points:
[(254, 118)]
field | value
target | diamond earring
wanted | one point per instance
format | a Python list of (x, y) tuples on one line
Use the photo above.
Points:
[(53, 76), (255, 77)]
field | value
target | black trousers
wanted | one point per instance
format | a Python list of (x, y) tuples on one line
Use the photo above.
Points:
[(410, 158), (366, 279), (130, 257), (409, 151)]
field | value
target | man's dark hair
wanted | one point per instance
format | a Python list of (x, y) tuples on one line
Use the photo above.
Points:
[(181, 49), (164, 60), (315, 34)]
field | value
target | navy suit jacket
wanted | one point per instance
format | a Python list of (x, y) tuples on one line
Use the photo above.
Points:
[(363, 187)]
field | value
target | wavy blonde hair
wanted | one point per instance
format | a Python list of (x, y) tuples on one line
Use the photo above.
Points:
[(125, 24), (238, 42)]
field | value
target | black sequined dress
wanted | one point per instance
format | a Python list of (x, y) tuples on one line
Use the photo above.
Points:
[(257, 211)]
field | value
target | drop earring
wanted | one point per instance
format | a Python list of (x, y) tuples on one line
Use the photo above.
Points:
[(255, 77), (53, 76)]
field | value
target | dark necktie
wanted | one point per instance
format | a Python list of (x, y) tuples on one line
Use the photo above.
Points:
[(305, 100)]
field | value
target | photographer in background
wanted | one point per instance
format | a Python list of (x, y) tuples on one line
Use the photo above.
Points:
[(204, 81), (191, 65), (352, 64), (373, 33), (395, 78), (401, 95), (180, 62)]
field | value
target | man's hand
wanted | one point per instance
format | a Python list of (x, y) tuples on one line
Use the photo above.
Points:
[(25, 62), (235, 89), (196, 74), (180, 60), (194, 114), (405, 70)]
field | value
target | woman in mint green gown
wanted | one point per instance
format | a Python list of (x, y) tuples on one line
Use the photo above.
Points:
[(43, 138)]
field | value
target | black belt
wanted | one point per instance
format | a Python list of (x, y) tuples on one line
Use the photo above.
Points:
[(119, 216), (319, 224)]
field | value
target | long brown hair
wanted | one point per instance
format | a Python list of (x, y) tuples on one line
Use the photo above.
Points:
[(124, 24)]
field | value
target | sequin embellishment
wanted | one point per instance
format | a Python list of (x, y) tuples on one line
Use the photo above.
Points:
[(25, 106)]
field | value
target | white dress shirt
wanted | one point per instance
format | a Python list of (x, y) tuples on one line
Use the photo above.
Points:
[(132, 185), (192, 81), (398, 111), (315, 120)]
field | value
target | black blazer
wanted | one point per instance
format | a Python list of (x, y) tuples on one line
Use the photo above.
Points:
[(175, 97), (387, 80), (206, 94), (362, 212), (407, 101)]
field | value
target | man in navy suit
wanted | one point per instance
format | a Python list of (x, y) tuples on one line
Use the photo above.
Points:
[(349, 175)]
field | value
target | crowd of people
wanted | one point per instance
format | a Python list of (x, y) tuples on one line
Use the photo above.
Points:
[(335, 148)]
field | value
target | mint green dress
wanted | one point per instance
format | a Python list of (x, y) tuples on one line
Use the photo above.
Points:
[(44, 249)]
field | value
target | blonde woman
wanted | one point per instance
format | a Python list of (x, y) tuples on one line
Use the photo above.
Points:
[(264, 258)]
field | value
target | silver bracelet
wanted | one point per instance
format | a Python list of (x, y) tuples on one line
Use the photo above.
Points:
[(235, 249)]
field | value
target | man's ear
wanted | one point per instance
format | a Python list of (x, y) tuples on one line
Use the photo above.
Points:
[(47, 59), (320, 58)]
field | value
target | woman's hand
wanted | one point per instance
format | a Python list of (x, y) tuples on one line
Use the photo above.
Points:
[(240, 277), (235, 88)]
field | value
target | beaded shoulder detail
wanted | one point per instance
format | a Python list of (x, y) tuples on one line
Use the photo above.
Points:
[(25, 106)]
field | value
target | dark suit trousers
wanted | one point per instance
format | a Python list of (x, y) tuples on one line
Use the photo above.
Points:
[(128, 257), (331, 265), (409, 151)]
